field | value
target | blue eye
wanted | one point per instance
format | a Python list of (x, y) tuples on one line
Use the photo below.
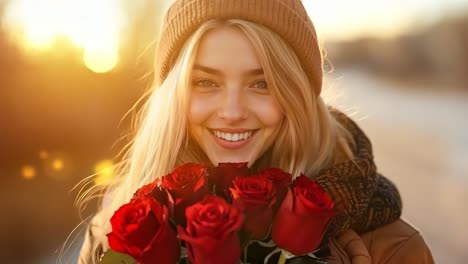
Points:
[(260, 84), (205, 83)]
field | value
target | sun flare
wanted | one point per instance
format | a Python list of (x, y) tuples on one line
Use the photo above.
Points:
[(94, 26)]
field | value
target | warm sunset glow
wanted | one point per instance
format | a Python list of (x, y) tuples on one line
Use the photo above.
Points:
[(28, 172), (344, 20), (94, 26), (100, 61), (57, 165), (104, 172), (336, 19)]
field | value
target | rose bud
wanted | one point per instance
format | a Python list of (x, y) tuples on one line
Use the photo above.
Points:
[(303, 217), (255, 196), (160, 194), (140, 229), (211, 232), (187, 185), (224, 174)]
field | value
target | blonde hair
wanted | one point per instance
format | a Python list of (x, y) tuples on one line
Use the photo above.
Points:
[(309, 138)]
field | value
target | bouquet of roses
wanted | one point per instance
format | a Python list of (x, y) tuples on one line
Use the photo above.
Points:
[(207, 214)]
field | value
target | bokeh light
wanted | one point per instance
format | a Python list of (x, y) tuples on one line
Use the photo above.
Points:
[(104, 172), (28, 172), (43, 154), (94, 26), (57, 164)]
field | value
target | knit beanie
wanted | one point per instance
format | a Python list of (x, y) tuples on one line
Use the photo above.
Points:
[(288, 18)]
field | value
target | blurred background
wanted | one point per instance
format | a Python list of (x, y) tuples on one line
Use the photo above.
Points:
[(71, 69)]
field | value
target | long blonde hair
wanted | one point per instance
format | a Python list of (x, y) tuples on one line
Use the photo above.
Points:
[(308, 140)]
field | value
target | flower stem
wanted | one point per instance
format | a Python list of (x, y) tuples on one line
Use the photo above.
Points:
[(282, 258)]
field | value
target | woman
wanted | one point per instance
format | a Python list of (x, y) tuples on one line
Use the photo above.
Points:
[(240, 80)]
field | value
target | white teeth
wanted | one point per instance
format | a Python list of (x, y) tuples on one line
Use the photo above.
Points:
[(233, 136)]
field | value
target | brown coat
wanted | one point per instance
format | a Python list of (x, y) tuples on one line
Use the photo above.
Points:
[(395, 243)]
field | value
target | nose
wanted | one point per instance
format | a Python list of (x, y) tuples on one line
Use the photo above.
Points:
[(233, 105)]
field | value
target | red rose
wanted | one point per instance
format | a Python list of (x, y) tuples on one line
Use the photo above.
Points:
[(146, 190), (160, 194), (303, 217), (224, 174), (280, 179), (211, 232), (255, 196), (141, 230), (187, 185)]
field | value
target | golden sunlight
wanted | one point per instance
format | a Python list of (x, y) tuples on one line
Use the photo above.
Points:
[(104, 171), (341, 20), (93, 26), (27, 19), (100, 61)]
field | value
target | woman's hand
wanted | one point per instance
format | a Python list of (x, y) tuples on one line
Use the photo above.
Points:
[(348, 248)]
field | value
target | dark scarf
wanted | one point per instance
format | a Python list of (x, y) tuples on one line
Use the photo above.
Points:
[(363, 198)]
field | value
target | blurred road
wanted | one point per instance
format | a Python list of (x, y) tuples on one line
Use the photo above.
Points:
[(420, 140)]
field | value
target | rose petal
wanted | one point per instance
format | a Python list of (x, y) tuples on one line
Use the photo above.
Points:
[(138, 226), (211, 231), (308, 226)]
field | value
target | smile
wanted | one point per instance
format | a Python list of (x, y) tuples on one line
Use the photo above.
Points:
[(233, 136), (233, 139)]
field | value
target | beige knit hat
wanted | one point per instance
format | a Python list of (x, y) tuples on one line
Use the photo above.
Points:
[(287, 18)]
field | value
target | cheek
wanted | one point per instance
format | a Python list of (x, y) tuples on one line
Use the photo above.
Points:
[(269, 112), (198, 111)]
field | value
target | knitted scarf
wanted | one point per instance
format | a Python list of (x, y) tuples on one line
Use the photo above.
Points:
[(365, 198)]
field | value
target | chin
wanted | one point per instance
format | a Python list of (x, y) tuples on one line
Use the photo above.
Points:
[(218, 155), (225, 159)]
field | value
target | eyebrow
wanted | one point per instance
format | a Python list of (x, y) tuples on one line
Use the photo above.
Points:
[(253, 72)]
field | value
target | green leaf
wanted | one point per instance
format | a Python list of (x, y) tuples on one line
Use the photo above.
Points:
[(114, 257)]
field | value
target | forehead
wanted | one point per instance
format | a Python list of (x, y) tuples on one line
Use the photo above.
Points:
[(226, 48)]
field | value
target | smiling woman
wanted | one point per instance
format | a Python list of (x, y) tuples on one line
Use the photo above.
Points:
[(239, 81), (233, 115)]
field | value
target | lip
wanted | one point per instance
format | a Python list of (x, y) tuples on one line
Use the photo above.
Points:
[(233, 130), (233, 144)]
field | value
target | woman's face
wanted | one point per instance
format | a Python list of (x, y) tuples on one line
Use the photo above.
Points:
[(232, 114)]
